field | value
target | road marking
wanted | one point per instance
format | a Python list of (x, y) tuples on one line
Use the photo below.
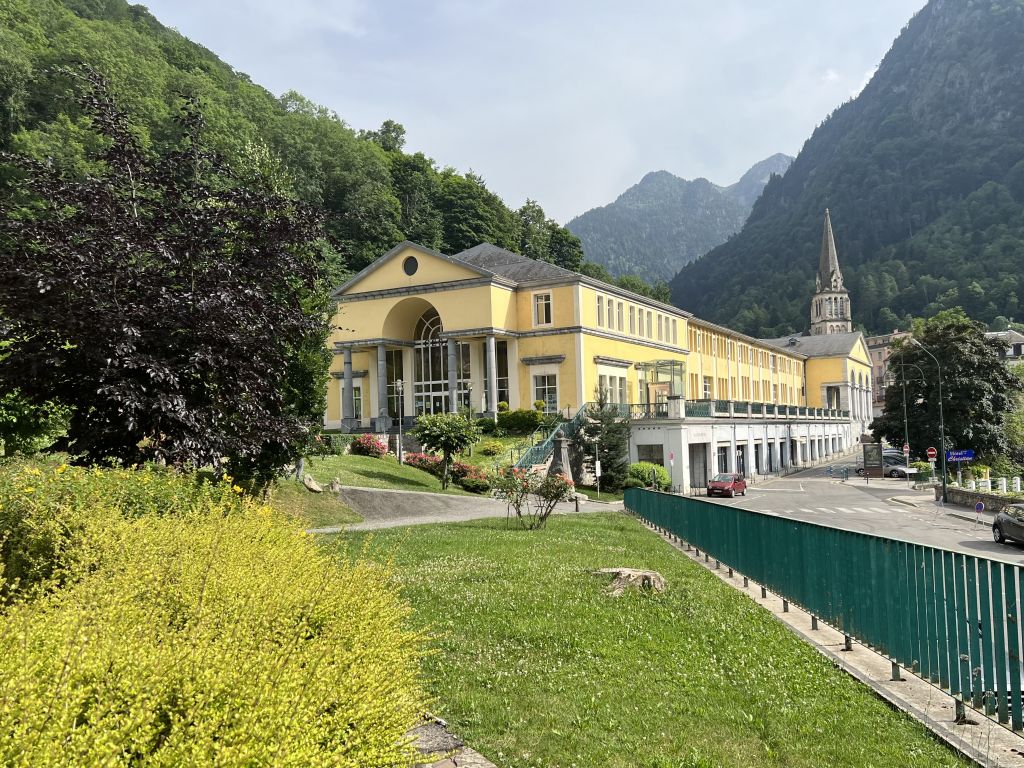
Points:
[(826, 511), (846, 511), (883, 510)]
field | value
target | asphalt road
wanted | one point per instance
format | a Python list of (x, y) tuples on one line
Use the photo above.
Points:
[(870, 507)]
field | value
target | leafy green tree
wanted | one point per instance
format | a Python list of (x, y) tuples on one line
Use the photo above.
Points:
[(979, 392), (564, 248), (449, 433), (182, 314), (390, 136), (534, 236), (605, 435)]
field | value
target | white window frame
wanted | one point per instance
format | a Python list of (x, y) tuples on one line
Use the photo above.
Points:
[(534, 375), (618, 315), (551, 309), (632, 320), (600, 311)]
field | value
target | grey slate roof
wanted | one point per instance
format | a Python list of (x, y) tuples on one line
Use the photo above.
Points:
[(825, 345), (512, 266)]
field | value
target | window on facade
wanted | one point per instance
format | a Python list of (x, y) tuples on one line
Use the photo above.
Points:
[(357, 401), (650, 325), (659, 327), (545, 388), (618, 307), (602, 387), (623, 396), (501, 353), (430, 367), (393, 359), (675, 332), (654, 453), (600, 311), (542, 309), (775, 393), (632, 319), (707, 387)]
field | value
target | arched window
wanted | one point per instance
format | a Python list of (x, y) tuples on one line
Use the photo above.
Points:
[(430, 358)]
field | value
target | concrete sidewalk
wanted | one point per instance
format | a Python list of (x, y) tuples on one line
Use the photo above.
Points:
[(385, 508)]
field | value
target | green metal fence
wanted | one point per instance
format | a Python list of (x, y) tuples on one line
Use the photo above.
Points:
[(950, 618)]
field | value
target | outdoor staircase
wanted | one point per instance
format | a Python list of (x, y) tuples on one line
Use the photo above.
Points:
[(538, 457)]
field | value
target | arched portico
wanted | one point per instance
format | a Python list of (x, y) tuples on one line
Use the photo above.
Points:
[(422, 367)]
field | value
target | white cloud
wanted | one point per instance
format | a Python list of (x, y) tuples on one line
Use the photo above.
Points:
[(567, 103)]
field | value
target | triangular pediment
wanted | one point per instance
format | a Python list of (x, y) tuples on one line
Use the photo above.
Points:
[(408, 265)]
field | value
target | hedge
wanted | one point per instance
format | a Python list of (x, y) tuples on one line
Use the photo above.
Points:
[(178, 623)]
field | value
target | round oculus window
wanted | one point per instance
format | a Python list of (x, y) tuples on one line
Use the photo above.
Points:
[(410, 265)]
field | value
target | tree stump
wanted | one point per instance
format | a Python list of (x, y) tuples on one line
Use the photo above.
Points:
[(311, 485), (632, 577)]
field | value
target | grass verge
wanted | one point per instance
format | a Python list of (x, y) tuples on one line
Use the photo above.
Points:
[(537, 666), (315, 510), (367, 472)]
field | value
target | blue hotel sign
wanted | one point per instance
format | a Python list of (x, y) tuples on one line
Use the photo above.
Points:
[(964, 455)]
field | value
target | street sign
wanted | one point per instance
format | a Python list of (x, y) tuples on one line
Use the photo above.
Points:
[(965, 455), (979, 507), (597, 468), (671, 455), (932, 453), (906, 449)]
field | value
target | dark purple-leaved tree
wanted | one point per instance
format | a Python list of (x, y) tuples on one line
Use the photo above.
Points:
[(179, 311)]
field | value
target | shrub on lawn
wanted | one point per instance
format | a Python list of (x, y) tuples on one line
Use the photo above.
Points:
[(924, 470), (491, 448), (428, 462), (641, 471), (532, 496), (486, 425), (332, 444), (206, 630), (369, 445), (519, 422), (474, 484)]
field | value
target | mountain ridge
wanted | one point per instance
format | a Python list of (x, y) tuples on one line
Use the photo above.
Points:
[(664, 221), (924, 174)]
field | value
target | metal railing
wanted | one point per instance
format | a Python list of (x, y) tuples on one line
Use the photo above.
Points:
[(539, 453), (950, 618)]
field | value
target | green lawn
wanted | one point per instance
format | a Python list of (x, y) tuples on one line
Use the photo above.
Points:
[(606, 495), (366, 472), (537, 666), (502, 459), (315, 510)]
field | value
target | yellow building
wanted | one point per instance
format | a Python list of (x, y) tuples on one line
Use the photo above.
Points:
[(424, 332)]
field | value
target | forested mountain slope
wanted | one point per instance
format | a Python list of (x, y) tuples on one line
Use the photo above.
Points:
[(924, 176), (373, 194), (664, 222)]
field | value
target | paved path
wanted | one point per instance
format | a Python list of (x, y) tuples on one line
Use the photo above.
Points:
[(382, 508), (886, 507)]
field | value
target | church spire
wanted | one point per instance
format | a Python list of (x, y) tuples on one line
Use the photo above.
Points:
[(830, 307), (829, 276)]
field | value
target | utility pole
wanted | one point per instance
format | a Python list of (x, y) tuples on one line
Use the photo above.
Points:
[(942, 422)]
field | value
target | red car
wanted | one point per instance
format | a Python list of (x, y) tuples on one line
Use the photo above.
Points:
[(727, 484)]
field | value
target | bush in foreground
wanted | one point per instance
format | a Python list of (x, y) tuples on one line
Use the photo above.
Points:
[(214, 634), (368, 445), (639, 476)]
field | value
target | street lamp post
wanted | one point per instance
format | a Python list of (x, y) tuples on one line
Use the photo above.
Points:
[(942, 423), (401, 418), (889, 381)]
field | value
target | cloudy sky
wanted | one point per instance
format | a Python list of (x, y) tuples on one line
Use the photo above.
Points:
[(568, 103)]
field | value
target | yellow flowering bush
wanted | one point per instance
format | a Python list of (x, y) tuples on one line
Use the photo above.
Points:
[(210, 632)]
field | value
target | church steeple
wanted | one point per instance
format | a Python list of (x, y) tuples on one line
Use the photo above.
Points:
[(830, 307)]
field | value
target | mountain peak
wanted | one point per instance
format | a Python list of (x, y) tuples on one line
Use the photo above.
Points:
[(664, 221)]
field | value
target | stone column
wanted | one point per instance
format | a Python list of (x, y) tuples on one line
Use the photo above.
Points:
[(732, 451), (348, 402), (453, 392), (382, 389), (492, 376), (766, 464)]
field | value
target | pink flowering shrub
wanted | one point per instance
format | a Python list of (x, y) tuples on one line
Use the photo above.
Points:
[(369, 445)]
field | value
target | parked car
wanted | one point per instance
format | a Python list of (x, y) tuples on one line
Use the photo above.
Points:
[(894, 466), (1009, 524), (727, 484)]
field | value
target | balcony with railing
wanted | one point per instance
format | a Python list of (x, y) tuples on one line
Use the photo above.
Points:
[(729, 409)]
